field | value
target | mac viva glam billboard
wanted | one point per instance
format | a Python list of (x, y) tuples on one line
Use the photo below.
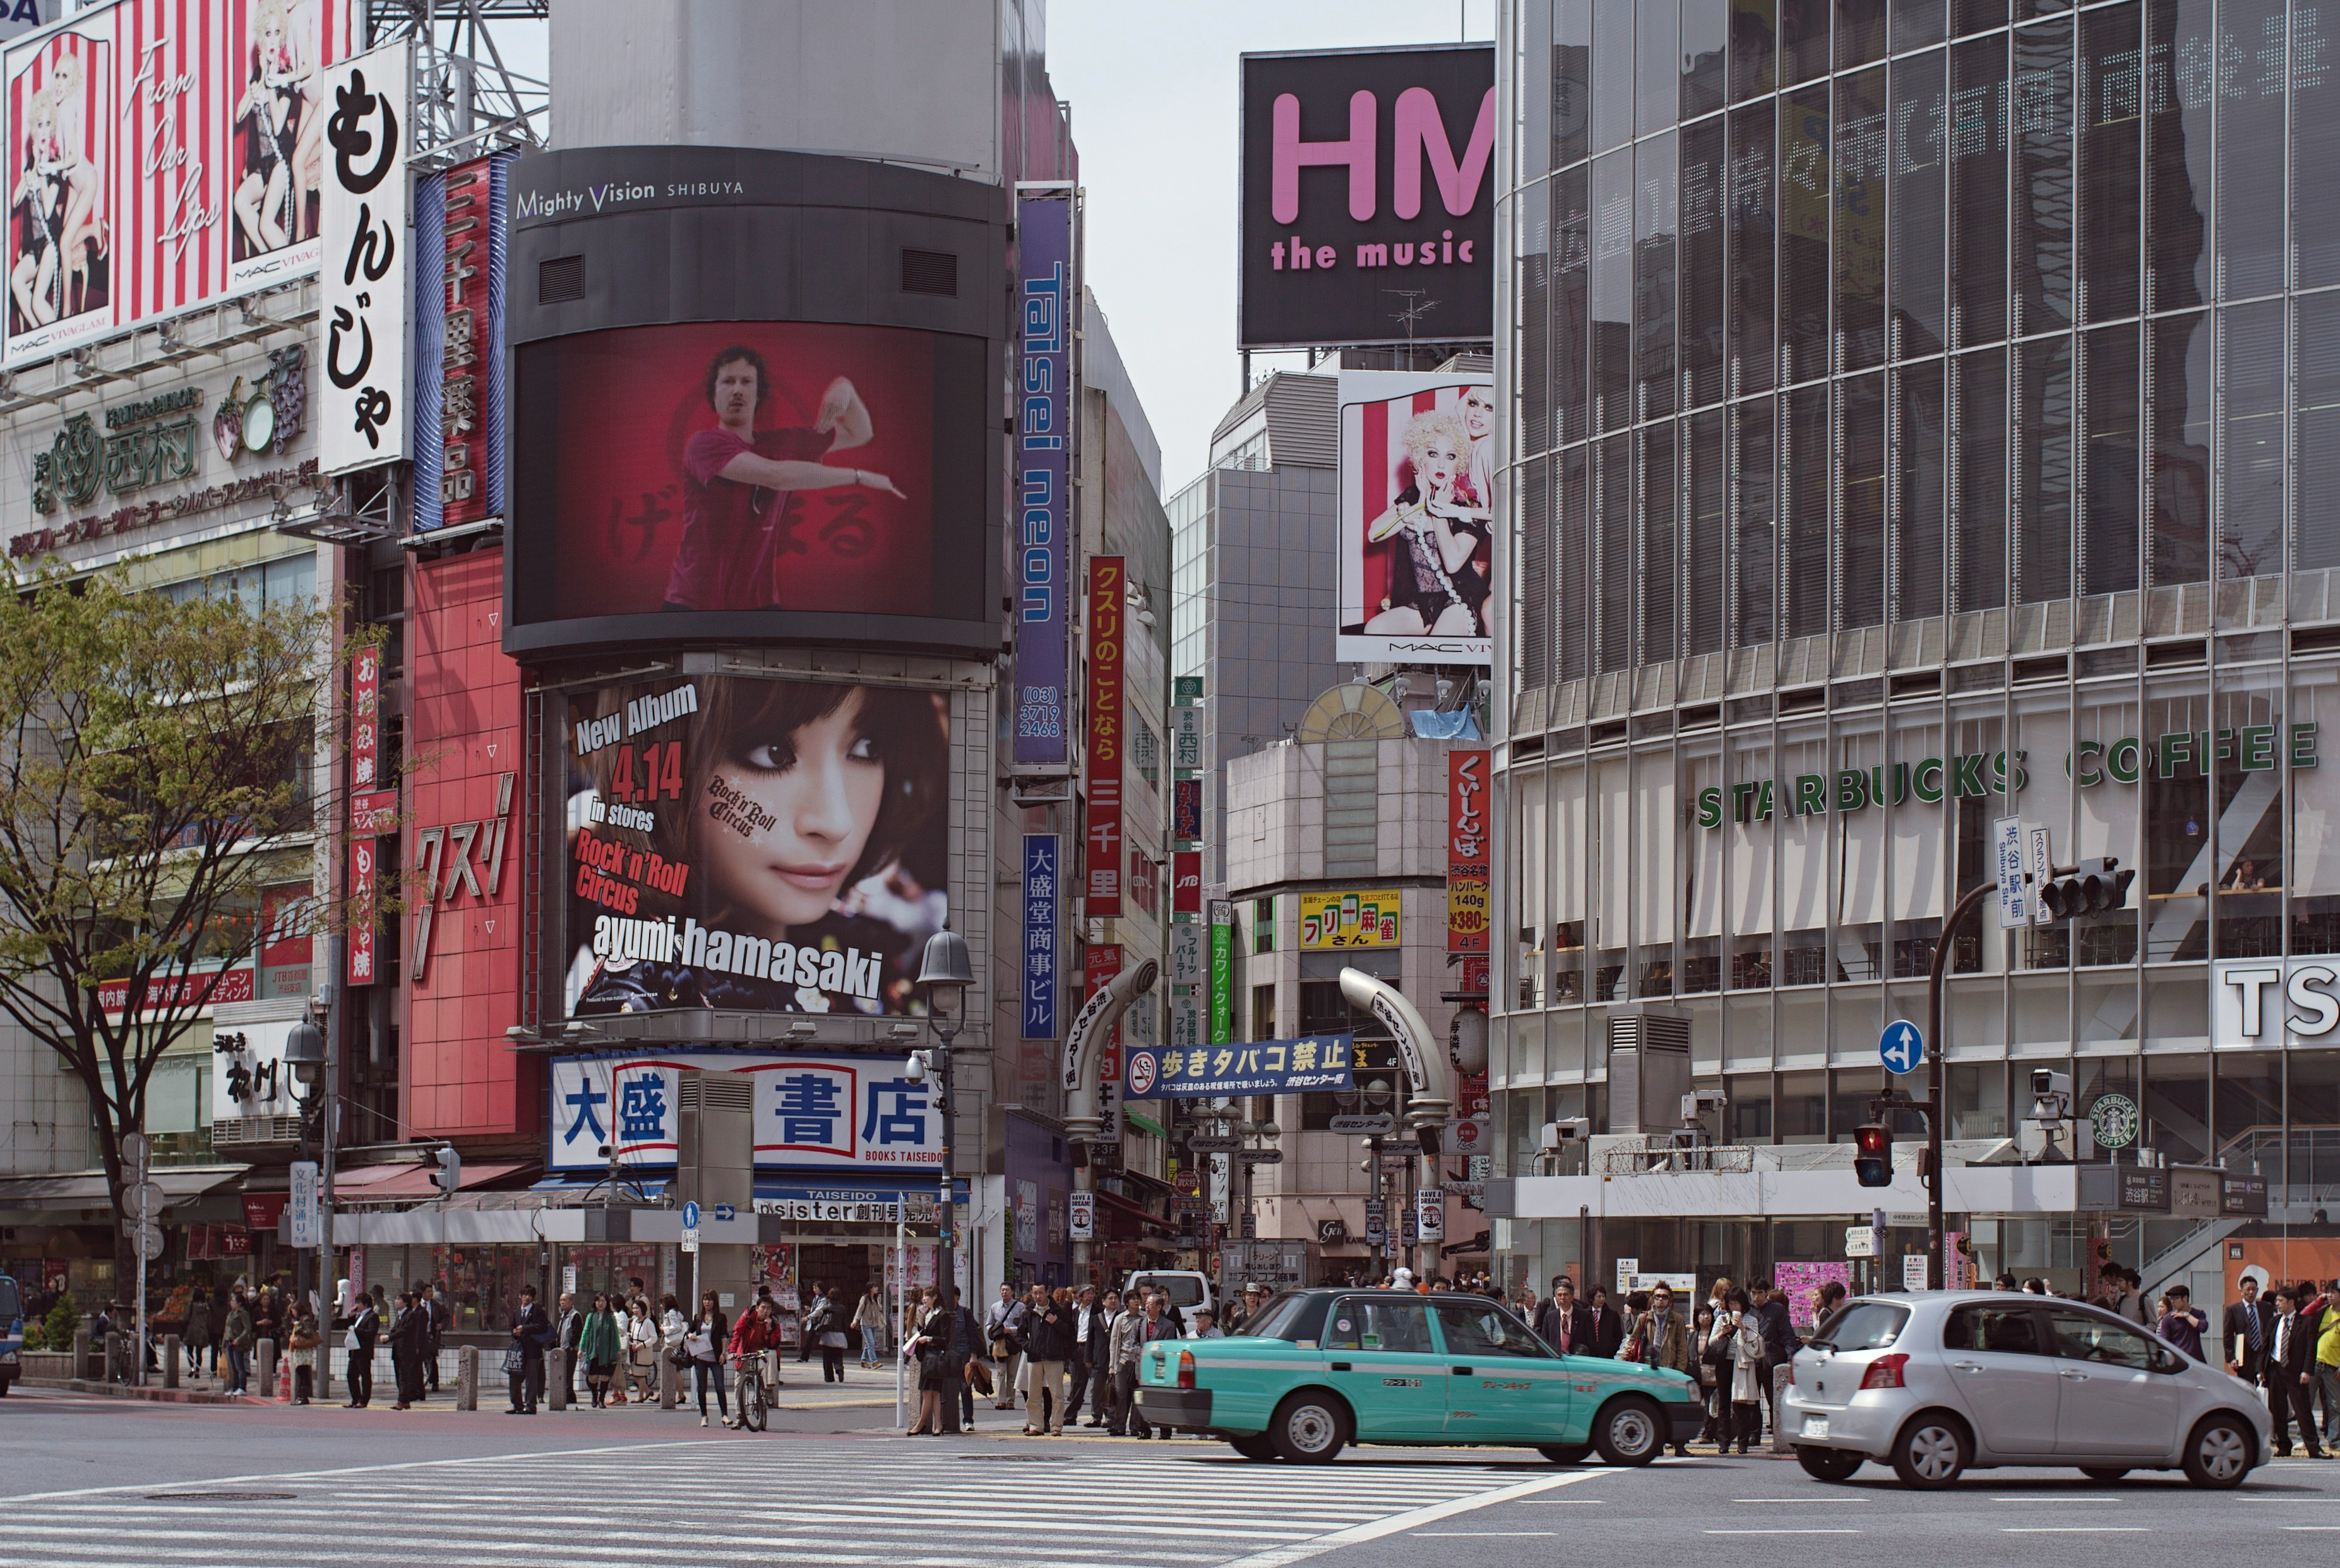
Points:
[(757, 844)]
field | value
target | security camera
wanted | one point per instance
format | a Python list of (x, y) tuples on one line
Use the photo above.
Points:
[(1567, 1129), (914, 1069), (2051, 1095), (1697, 1104)]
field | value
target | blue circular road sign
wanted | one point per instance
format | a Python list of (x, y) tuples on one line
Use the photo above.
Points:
[(691, 1215), (1902, 1048)]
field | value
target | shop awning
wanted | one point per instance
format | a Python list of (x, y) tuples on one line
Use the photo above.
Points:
[(367, 1183), (1144, 1123), (1138, 1211), (86, 1189)]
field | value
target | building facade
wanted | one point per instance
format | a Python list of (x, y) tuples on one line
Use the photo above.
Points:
[(1911, 421)]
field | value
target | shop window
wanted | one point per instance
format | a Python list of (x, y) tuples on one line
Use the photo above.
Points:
[(2176, 1107), (1263, 1013), (1751, 1107), (2312, 1148), (1263, 930), (1801, 1114)]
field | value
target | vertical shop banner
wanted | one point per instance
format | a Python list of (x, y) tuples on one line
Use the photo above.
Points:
[(1186, 747), (461, 226), (1186, 882), (1042, 888), (366, 719), (1186, 810), (1223, 971), (363, 887), (1047, 291), (1099, 964), (1102, 833), (367, 222), (1466, 851)]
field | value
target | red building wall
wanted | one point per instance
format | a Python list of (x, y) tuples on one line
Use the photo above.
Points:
[(465, 734)]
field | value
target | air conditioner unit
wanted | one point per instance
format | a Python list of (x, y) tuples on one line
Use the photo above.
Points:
[(1649, 1069)]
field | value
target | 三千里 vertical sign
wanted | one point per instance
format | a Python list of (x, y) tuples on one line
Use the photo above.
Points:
[(1101, 831), (1045, 292), (1466, 851), (1042, 888), (366, 219)]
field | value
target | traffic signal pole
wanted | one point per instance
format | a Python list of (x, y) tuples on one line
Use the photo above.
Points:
[(1937, 1270)]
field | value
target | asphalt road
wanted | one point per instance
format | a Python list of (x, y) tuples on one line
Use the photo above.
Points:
[(89, 1482)]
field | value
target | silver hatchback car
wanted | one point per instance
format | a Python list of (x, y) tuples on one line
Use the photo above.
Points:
[(1936, 1383)]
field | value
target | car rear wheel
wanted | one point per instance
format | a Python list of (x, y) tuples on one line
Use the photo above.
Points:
[(1258, 1445), (2104, 1474), (1828, 1464), (1565, 1453), (2219, 1454), (1311, 1427), (1931, 1452), (1630, 1431)]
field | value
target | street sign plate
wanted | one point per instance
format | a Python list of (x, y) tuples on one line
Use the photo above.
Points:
[(2038, 863), (1913, 1271), (2007, 843), (305, 1231), (150, 1242), (145, 1198), (1859, 1241), (1902, 1048), (1262, 1156), (134, 1152), (1365, 1126), (1083, 1215), (725, 1213), (1205, 1143), (690, 1238), (691, 1215)]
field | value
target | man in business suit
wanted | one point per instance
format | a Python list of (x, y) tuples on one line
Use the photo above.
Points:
[(2244, 1340), (1565, 1323), (2288, 1372), (567, 1334)]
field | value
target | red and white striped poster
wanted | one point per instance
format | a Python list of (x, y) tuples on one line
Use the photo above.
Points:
[(203, 135), (60, 174), (1417, 487)]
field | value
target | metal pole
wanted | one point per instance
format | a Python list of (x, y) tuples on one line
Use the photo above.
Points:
[(946, 1268), (901, 1309), (146, 1218), (330, 993), (1936, 1274)]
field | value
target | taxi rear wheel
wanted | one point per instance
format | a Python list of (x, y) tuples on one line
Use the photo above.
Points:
[(1311, 1427), (1630, 1431), (1258, 1445)]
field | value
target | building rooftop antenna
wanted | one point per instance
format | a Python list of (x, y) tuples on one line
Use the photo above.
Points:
[(1417, 305)]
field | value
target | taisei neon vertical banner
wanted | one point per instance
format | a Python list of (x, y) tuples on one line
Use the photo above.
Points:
[(1102, 831), (1046, 292)]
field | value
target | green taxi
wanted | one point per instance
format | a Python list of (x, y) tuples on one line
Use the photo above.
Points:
[(1317, 1370)]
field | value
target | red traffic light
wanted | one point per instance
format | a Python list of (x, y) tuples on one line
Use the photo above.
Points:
[(1872, 1160), (1873, 1139)]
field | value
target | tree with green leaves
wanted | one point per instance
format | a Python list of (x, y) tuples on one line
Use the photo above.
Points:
[(159, 764)]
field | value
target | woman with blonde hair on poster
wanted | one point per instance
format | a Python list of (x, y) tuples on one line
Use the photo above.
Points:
[(1429, 524)]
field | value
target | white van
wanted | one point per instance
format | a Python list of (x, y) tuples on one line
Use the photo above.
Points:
[(1185, 1289)]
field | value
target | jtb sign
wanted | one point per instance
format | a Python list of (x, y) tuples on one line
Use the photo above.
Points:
[(1368, 178)]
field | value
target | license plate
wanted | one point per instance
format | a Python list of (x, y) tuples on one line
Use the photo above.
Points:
[(1816, 1425)]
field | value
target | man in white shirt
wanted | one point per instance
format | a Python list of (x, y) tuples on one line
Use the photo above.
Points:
[(995, 1333), (1089, 1331)]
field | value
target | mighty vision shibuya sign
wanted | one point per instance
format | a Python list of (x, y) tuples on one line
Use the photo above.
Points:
[(1963, 775)]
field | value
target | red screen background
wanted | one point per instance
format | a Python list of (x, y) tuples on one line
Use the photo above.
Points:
[(631, 396)]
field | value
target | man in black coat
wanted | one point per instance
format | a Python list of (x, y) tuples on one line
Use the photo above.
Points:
[(363, 1324), (531, 1331), (1607, 1325), (2287, 1370), (1565, 1323), (408, 1330), (1083, 1357), (1780, 1342), (2243, 1344), (438, 1321)]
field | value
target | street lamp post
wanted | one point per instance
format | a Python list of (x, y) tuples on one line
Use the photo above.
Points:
[(304, 1056), (944, 979), (1936, 1258)]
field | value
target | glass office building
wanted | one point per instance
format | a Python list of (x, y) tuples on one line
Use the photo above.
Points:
[(1923, 413)]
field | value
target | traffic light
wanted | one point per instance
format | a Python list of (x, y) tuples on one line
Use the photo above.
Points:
[(450, 1174), (1872, 1159), (2089, 888)]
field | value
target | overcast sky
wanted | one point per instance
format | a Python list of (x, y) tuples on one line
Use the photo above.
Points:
[(1155, 113)]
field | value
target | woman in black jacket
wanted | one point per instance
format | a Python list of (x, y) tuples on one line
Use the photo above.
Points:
[(703, 1339)]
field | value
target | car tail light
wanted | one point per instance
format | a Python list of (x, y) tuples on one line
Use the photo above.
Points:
[(1885, 1372), (1791, 1372), (1185, 1370)]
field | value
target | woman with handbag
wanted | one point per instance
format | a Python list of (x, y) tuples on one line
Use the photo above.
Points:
[(703, 1339), (832, 1316), (1701, 1339), (303, 1345), (641, 1352), (600, 1345), (933, 1346), (1738, 1324)]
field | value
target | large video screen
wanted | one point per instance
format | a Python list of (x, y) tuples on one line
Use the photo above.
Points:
[(735, 469), (760, 844)]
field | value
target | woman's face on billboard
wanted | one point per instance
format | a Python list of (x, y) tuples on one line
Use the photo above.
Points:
[(1478, 412), (822, 787), (1436, 463)]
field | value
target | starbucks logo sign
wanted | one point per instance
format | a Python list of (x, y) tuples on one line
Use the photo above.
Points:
[(2113, 1119)]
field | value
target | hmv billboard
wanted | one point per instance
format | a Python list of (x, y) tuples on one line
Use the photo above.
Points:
[(1368, 188)]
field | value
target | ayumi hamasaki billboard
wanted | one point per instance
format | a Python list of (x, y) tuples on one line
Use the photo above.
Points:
[(828, 1110), (1417, 485), (765, 845)]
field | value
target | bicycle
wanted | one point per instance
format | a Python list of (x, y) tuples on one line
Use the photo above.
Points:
[(752, 1402)]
